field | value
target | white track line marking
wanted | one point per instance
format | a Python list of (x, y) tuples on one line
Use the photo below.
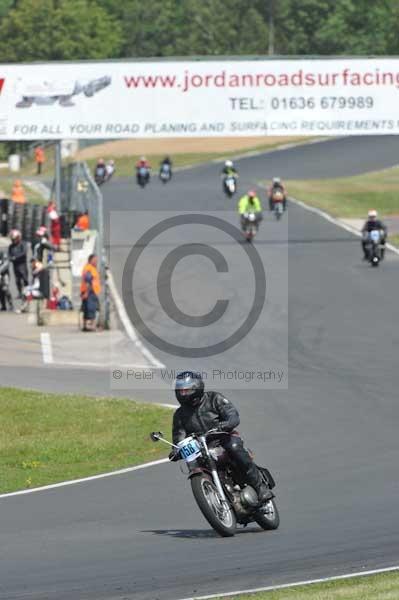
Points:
[(283, 586), (103, 367), (84, 479), (127, 324), (336, 221), (174, 406), (47, 348)]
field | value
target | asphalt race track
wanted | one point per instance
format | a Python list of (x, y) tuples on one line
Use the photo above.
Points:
[(330, 438)]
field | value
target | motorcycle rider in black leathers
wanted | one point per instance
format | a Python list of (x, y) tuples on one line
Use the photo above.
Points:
[(373, 223), (18, 257), (5, 294), (166, 165), (202, 411)]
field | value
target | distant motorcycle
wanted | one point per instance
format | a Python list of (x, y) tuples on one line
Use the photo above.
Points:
[(230, 185), (165, 173), (249, 225), (109, 170), (100, 175), (143, 176), (222, 496), (374, 247), (278, 204)]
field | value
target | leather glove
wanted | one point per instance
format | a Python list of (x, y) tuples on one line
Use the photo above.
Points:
[(223, 426), (174, 455)]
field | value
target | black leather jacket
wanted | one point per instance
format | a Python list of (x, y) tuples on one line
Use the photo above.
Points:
[(17, 253), (214, 411), (372, 225)]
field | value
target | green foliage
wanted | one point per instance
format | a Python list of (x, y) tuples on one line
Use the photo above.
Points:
[(5, 6), (65, 30), (94, 29)]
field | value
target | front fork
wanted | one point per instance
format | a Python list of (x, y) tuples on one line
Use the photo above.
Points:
[(215, 474)]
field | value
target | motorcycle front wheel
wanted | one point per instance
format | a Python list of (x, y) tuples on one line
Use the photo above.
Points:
[(268, 518), (219, 516)]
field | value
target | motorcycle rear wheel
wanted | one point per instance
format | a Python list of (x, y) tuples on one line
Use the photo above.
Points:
[(270, 519), (220, 518)]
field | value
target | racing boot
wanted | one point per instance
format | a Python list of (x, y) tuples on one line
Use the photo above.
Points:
[(264, 493)]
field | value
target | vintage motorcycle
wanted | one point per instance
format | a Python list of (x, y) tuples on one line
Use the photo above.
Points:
[(374, 247), (230, 185), (278, 204), (143, 176), (222, 496), (165, 173), (249, 225)]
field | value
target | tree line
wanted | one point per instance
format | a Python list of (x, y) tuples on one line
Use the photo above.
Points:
[(95, 29)]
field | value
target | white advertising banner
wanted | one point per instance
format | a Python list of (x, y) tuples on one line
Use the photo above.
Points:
[(199, 98)]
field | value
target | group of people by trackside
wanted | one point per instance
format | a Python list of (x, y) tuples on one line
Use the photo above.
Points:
[(29, 265), (17, 258)]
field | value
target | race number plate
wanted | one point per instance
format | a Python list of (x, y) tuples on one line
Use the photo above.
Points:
[(189, 449)]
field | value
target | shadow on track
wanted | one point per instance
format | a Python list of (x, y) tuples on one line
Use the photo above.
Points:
[(196, 534)]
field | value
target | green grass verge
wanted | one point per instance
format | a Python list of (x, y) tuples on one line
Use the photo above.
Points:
[(6, 184), (351, 196), (374, 587), (47, 438), (394, 239)]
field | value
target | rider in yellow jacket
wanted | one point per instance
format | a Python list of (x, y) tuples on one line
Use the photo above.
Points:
[(249, 203)]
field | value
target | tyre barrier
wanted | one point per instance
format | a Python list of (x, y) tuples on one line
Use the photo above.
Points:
[(29, 217), (27, 223), (4, 216), (36, 220), (17, 216)]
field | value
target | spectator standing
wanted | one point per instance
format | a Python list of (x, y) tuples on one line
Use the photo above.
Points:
[(33, 291), (83, 221), (18, 192), (42, 243), (39, 158), (5, 294), (55, 225), (18, 258), (90, 289)]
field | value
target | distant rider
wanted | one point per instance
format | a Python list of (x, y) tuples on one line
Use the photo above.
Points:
[(110, 169), (229, 170), (100, 171), (143, 163), (277, 185), (250, 203), (166, 166), (372, 224), (202, 411)]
